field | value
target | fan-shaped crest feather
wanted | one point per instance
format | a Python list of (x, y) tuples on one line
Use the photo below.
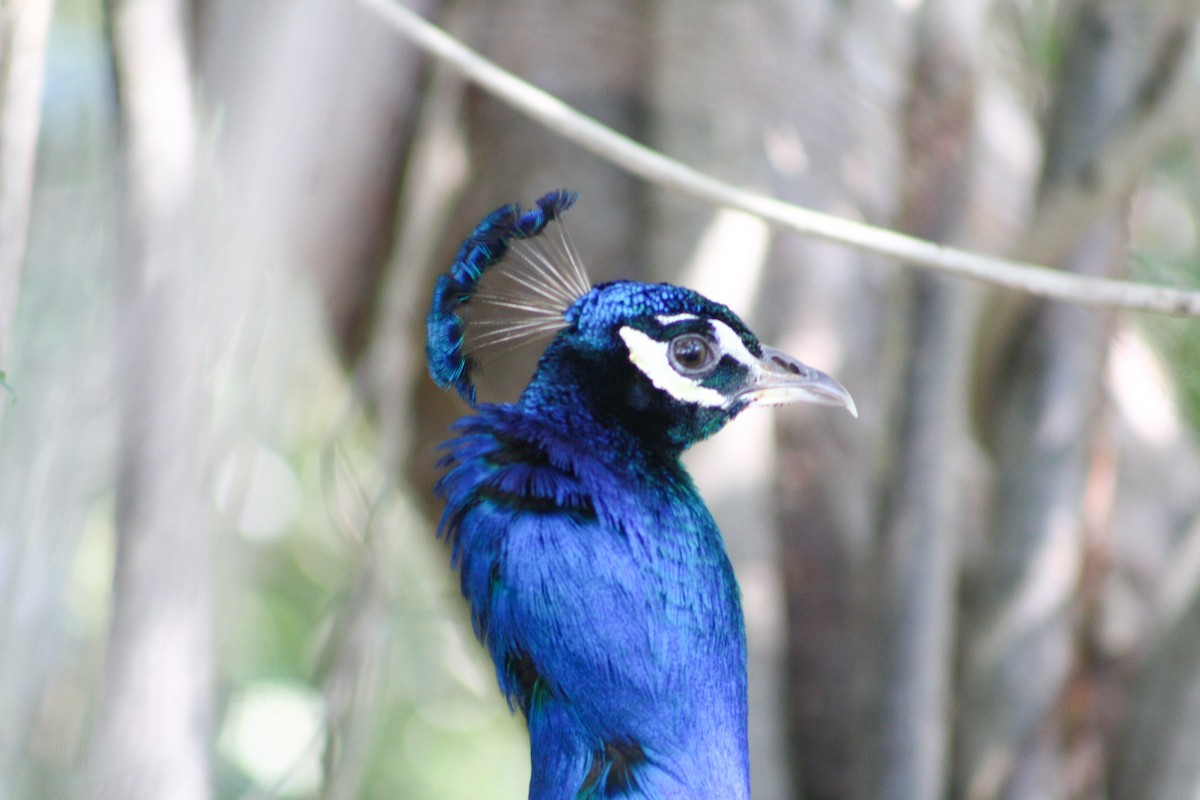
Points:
[(544, 272)]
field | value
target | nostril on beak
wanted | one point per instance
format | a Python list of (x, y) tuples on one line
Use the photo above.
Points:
[(790, 366)]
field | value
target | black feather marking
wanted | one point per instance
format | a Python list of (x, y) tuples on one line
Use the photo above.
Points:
[(581, 508), (516, 451), (612, 771), (481, 616), (526, 684)]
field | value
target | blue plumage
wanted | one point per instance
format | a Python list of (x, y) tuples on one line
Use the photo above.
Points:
[(596, 576)]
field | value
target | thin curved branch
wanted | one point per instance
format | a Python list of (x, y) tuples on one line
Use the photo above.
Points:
[(657, 168)]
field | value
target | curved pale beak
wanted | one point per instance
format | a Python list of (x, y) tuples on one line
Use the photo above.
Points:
[(784, 380)]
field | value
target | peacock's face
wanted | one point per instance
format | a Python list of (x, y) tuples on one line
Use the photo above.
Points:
[(671, 365)]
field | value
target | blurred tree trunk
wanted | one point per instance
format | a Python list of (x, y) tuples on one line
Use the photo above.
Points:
[(318, 100), (154, 731), (1155, 753), (23, 28), (1019, 653), (923, 513), (833, 143), (23, 585)]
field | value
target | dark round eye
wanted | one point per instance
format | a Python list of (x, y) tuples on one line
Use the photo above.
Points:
[(692, 354)]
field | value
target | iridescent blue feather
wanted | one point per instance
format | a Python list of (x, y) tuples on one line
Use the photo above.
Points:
[(487, 246)]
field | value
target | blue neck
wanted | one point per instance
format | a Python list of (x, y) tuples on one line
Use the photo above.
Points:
[(600, 583), (662, 686)]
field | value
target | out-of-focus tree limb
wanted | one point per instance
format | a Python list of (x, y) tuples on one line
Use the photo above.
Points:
[(1159, 104), (23, 27), (654, 166), (352, 687), (353, 683), (922, 511), (316, 102), (153, 731), (1155, 752), (1018, 621), (834, 311)]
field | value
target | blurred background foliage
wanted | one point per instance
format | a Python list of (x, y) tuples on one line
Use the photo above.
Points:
[(219, 575)]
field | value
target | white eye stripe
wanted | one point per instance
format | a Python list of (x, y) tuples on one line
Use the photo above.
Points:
[(671, 319), (732, 345), (650, 356)]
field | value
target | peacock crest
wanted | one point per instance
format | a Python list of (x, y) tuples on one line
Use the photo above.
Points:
[(534, 276)]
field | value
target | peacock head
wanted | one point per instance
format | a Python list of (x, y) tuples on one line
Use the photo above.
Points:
[(658, 360), (668, 364)]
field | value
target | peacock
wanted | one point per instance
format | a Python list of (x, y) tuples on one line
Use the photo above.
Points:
[(595, 575)]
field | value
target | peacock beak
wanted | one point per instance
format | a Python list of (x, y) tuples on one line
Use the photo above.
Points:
[(784, 380)]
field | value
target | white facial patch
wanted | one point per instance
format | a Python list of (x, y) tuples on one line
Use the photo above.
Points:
[(732, 345), (650, 356)]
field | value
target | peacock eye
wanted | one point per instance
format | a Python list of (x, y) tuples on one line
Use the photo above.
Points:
[(692, 354)]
